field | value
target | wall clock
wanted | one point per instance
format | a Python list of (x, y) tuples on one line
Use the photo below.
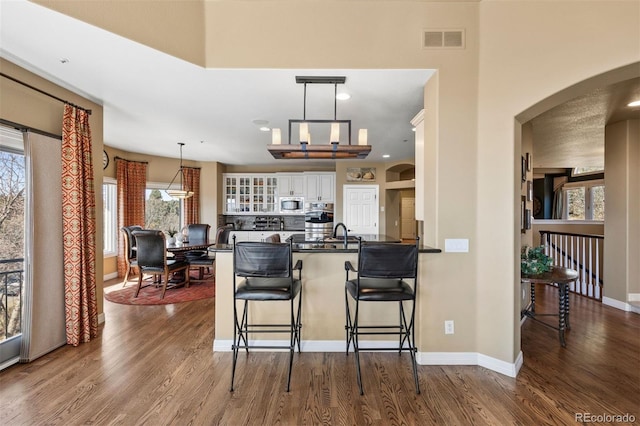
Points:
[(105, 159), (537, 206)]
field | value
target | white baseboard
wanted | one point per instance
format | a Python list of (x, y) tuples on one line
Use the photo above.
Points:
[(633, 297), (307, 345), (423, 358), (471, 358), (620, 305), (110, 276)]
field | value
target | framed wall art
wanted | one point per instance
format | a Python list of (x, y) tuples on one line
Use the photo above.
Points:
[(361, 174)]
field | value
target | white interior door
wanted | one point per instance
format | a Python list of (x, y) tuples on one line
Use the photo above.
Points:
[(361, 208)]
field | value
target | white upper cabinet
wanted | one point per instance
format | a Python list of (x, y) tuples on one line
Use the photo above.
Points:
[(320, 187), (249, 193), (290, 185)]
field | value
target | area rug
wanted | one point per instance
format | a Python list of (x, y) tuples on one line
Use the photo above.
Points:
[(151, 295)]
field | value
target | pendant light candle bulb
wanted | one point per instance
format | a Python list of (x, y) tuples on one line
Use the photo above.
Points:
[(362, 137), (276, 137), (335, 133), (304, 132)]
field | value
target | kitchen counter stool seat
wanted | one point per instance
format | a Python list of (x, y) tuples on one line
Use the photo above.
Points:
[(264, 272), (387, 273)]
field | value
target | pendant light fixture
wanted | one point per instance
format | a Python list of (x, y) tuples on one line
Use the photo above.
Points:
[(184, 191), (332, 148)]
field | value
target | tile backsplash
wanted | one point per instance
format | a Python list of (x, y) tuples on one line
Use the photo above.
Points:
[(263, 222)]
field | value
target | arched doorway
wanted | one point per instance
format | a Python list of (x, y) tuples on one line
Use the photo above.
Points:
[(400, 201), (574, 121)]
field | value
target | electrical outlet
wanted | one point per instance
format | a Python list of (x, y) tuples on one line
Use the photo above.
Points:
[(448, 327), (460, 245)]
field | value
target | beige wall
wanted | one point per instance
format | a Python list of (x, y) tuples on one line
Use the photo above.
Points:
[(622, 218), (29, 108)]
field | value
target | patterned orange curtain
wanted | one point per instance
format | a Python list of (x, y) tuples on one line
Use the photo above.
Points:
[(79, 227), (192, 204), (131, 177)]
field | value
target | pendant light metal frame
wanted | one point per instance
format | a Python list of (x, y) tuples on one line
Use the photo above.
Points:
[(181, 193), (304, 149)]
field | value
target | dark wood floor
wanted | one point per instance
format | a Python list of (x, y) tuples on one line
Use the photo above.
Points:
[(154, 365)]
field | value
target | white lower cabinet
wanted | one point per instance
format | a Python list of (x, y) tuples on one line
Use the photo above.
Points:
[(258, 235), (240, 236)]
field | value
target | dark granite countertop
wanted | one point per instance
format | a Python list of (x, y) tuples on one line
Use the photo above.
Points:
[(301, 245)]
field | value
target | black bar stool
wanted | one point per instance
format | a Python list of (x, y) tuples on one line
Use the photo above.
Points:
[(267, 276), (387, 272)]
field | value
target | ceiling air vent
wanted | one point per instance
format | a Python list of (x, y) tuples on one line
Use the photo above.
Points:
[(443, 39)]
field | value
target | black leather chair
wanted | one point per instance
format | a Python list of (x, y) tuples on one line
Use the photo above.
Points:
[(273, 238), (130, 250), (199, 232), (152, 259), (387, 272), (200, 259), (264, 272)]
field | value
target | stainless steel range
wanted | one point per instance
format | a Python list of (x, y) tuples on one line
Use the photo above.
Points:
[(318, 220)]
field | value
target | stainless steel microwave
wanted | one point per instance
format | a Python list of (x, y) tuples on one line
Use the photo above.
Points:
[(291, 205)]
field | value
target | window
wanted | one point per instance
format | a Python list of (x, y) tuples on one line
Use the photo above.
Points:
[(583, 171), (13, 204), (575, 204), (597, 202), (110, 207), (161, 211), (584, 200)]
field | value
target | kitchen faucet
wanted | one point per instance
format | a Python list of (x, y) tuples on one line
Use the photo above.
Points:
[(344, 235)]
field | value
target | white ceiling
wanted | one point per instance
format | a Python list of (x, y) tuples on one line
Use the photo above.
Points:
[(152, 100), (572, 134)]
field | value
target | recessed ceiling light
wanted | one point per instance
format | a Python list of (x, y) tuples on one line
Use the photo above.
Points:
[(343, 96), (634, 104), (64, 60), (385, 156), (260, 122), (265, 129)]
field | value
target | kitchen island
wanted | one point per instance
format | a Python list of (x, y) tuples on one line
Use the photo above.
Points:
[(323, 311)]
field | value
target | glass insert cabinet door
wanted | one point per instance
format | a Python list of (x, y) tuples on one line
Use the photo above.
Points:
[(250, 194), (237, 191), (264, 194)]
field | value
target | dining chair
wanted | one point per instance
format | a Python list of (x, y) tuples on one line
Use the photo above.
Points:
[(273, 238), (200, 260), (152, 259), (130, 250), (386, 273), (264, 272)]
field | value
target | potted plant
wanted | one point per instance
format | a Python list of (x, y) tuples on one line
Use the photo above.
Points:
[(534, 261), (172, 238)]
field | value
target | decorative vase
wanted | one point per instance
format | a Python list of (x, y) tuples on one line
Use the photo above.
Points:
[(171, 240)]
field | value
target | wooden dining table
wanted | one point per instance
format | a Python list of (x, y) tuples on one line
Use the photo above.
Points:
[(562, 277), (180, 250)]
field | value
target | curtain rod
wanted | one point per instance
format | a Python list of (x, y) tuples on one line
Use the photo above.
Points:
[(43, 92), (23, 128), (130, 161)]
